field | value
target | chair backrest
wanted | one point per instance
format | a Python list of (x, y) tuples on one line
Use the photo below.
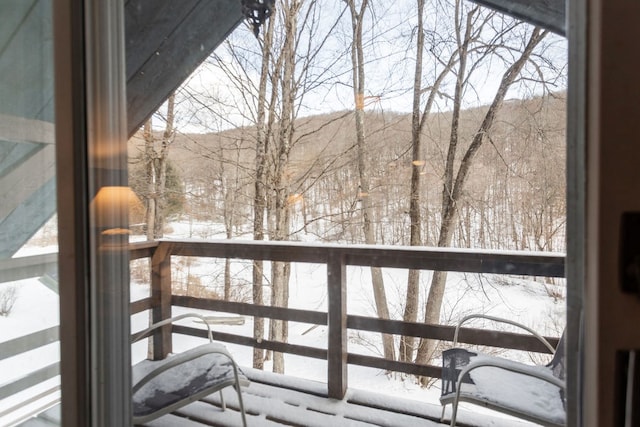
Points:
[(455, 360)]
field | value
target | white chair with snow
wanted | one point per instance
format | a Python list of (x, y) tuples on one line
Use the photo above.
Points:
[(163, 386), (532, 392)]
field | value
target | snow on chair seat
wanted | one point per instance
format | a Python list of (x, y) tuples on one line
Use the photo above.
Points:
[(533, 393), (161, 387)]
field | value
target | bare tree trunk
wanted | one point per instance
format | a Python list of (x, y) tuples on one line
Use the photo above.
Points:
[(156, 171), (230, 209), (280, 273), (259, 201), (227, 261), (415, 220), (448, 210), (149, 158), (280, 276), (357, 57), (161, 166), (418, 121), (156, 175), (150, 173)]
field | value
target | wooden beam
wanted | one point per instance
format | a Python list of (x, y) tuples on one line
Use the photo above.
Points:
[(548, 14), (20, 129), (141, 305), (248, 309), (337, 322), (142, 249), (485, 337), (14, 153), (166, 41), (28, 199), (392, 365), (25, 179), (277, 346), (161, 300), (22, 223)]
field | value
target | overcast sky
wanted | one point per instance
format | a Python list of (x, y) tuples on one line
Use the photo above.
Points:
[(389, 55)]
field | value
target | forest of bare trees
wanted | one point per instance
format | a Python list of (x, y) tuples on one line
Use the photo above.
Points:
[(474, 159), (514, 200)]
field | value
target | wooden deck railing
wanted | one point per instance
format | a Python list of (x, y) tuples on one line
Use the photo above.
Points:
[(336, 258), (14, 269)]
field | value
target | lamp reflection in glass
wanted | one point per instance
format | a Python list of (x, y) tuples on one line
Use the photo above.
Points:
[(111, 208)]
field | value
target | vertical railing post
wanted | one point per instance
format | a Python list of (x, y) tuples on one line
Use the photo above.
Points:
[(161, 299), (337, 323)]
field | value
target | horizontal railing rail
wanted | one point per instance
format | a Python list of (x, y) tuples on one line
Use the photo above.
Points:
[(31, 379), (507, 340), (423, 258), (337, 258), (20, 345), (20, 268), (24, 343)]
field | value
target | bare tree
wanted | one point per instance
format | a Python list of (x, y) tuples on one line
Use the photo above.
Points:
[(419, 116), (457, 172), (260, 197), (413, 280), (155, 161), (150, 168), (279, 180), (357, 59), (289, 48)]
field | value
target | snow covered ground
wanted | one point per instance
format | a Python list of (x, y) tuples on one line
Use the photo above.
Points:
[(536, 304)]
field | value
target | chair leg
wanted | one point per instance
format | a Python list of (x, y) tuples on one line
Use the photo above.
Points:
[(454, 412), (222, 402), (444, 407), (241, 405)]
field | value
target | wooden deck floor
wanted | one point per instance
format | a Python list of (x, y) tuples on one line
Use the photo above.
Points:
[(274, 400), (274, 403)]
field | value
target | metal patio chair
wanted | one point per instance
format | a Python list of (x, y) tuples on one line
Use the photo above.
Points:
[(163, 386), (533, 393)]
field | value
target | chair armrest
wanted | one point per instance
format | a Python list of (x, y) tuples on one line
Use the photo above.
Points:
[(143, 334), (501, 320)]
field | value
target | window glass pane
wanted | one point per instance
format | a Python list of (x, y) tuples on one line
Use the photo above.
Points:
[(439, 139), (29, 315)]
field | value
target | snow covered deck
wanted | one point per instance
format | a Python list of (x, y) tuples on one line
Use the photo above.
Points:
[(276, 400)]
